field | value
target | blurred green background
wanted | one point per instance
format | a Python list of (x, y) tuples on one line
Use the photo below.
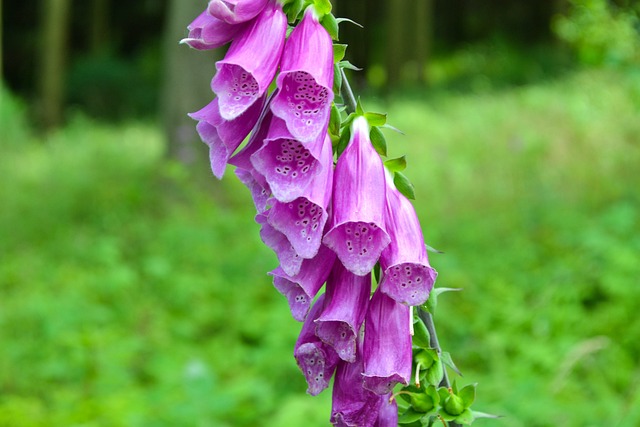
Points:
[(133, 286)]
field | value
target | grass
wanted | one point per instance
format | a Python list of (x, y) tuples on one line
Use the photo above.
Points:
[(135, 294)]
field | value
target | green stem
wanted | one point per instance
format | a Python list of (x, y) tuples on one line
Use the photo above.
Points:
[(347, 93)]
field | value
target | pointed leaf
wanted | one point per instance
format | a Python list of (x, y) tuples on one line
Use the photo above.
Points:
[(338, 51), (432, 302), (468, 394), (465, 418), (378, 141), (478, 414), (376, 119), (396, 165), (421, 336), (403, 185), (435, 373), (293, 9), (337, 79), (330, 24), (341, 20), (348, 65), (359, 109), (395, 129), (334, 120), (432, 249), (344, 141), (409, 417), (323, 7), (446, 359)]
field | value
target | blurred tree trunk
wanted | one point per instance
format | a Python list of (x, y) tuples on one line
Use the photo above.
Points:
[(99, 24), (396, 26), (51, 73), (186, 81), (424, 34)]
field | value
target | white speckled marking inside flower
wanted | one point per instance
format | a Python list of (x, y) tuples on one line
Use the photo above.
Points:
[(307, 102)]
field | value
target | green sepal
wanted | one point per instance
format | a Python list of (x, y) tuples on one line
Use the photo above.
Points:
[(468, 394), (446, 359), (347, 122), (335, 120), (376, 272), (426, 358), (453, 406), (322, 7), (403, 185), (410, 416), (344, 141), (465, 418), (435, 373), (432, 302), (338, 51), (337, 79), (376, 119), (378, 141), (348, 65), (341, 20), (292, 9), (396, 165), (359, 109), (421, 337), (330, 24)]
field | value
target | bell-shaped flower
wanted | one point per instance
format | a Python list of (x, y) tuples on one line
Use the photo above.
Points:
[(248, 175), (289, 260), (207, 32), (316, 360), (357, 235), (224, 136), (300, 289), (303, 219), (249, 66), (235, 11), (346, 301), (408, 278), (288, 165), (352, 405), (388, 414), (387, 344), (306, 80)]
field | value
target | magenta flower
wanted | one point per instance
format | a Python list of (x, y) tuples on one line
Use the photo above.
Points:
[(306, 80), (303, 219), (387, 344), (246, 71), (388, 415), (408, 278), (235, 11), (345, 305), (289, 260), (357, 235), (207, 32), (288, 165), (352, 405), (300, 289), (316, 360), (224, 136)]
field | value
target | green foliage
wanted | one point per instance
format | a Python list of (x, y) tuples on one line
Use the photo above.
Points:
[(134, 294), (600, 32)]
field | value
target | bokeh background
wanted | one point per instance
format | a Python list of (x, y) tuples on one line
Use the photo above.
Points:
[(133, 286)]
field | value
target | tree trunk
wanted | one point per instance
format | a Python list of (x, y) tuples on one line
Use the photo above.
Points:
[(396, 26), (188, 73), (55, 30), (100, 24), (424, 31)]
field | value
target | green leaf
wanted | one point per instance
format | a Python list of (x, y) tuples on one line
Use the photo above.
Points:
[(409, 417), (330, 24), (335, 120), (338, 51), (376, 272), (403, 185), (421, 336), (378, 141), (478, 414), (348, 65), (359, 109), (395, 129), (344, 140), (465, 418), (432, 249), (323, 7), (293, 9), (435, 373), (347, 122), (468, 394), (341, 20), (396, 165), (446, 359), (375, 119), (337, 79)]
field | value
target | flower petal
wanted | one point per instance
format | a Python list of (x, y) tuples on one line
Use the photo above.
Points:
[(207, 32), (289, 260), (235, 11)]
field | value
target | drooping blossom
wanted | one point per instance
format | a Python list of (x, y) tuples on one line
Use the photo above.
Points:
[(346, 301), (316, 360), (289, 260), (388, 414), (352, 405), (224, 136), (387, 344), (357, 235), (301, 288), (235, 11), (288, 165), (246, 71), (208, 32), (408, 278), (303, 219), (306, 80)]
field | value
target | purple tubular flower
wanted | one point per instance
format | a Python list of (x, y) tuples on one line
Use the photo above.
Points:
[(303, 219), (235, 11), (287, 164), (251, 62), (388, 415), (301, 288), (224, 136), (207, 32), (316, 360), (352, 405), (357, 235), (289, 260), (345, 306), (306, 80), (259, 189), (408, 278), (387, 344)]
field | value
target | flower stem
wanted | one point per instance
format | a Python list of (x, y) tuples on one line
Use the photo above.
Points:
[(347, 93)]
